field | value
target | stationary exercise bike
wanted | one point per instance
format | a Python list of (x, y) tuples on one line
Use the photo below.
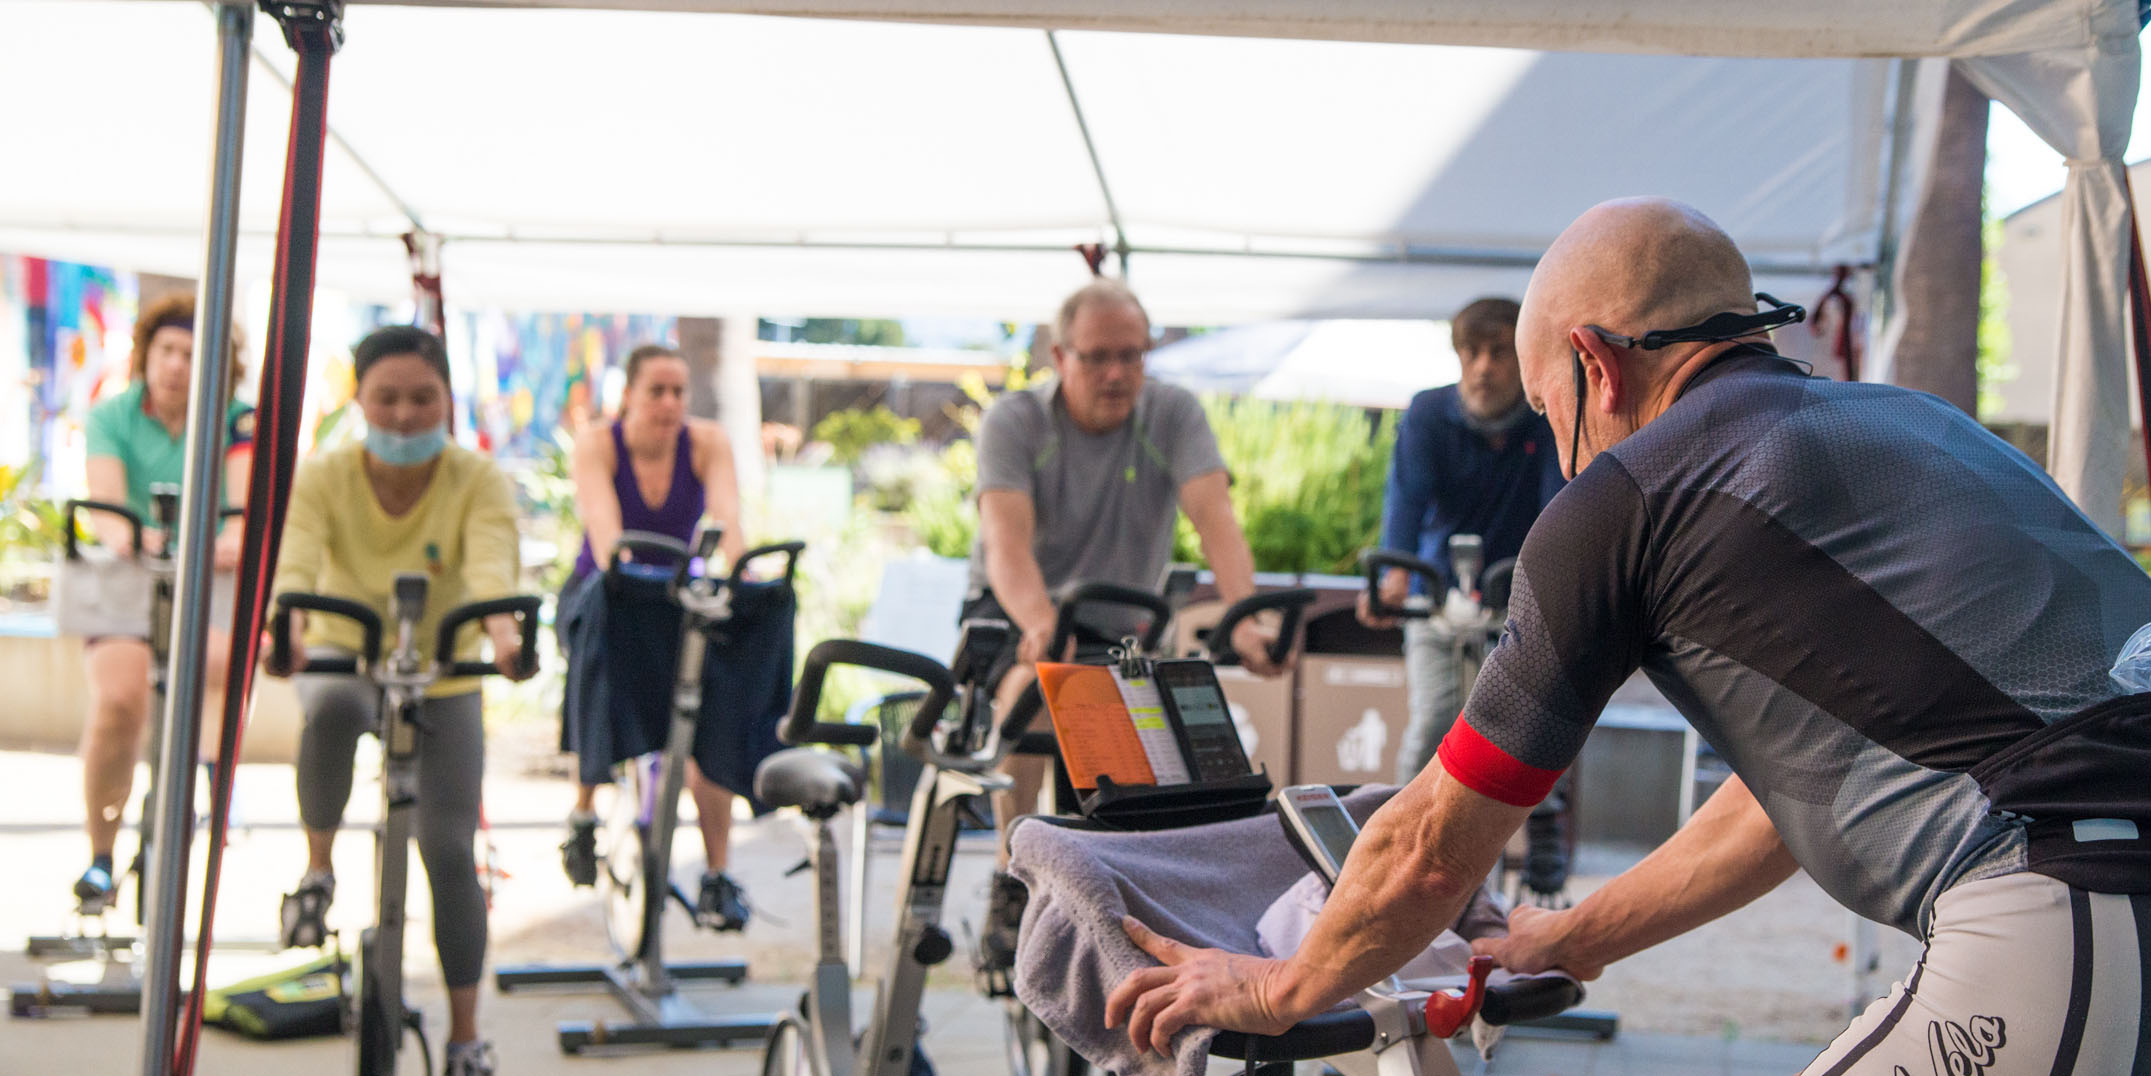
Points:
[(403, 677), (635, 874), (119, 991), (1032, 1049), (818, 1039)]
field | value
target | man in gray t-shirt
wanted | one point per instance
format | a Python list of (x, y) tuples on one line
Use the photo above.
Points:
[(1078, 481)]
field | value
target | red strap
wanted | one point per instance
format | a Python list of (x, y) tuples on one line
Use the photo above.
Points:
[(1846, 346), (1093, 256), (1490, 771)]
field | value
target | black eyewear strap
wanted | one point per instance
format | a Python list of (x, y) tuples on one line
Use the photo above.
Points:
[(1714, 329)]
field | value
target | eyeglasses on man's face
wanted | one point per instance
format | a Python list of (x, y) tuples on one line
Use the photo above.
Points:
[(1100, 358)]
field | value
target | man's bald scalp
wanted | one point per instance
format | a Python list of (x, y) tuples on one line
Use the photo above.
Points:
[(1637, 264)]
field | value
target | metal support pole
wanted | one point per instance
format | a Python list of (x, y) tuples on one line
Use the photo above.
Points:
[(1090, 147), (201, 497)]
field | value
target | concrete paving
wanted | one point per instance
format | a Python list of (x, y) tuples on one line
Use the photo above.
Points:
[(538, 917)]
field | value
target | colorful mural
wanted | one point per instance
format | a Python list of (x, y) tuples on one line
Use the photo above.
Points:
[(63, 344), (533, 374)]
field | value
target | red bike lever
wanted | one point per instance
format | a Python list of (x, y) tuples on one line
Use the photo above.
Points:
[(1448, 1011)]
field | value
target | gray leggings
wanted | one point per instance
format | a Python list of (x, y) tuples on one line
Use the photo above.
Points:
[(451, 765)]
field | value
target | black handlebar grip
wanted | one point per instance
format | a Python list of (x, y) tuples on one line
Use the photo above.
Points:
[(1292, 602), (1531, 997), (369, 623), (800, 727), (1373, 561), (788, 550), (1022, 712), (1078, 595), (524, 607), (134, 522), (646, 542), (1326, 1034)]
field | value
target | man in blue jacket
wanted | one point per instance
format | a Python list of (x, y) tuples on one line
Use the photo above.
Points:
[(1471, 458)]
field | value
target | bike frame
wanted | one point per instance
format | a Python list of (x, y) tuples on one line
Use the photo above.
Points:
[(645, 984)]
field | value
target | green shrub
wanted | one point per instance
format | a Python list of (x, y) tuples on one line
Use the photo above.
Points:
[(850, 433), (1307, 481)]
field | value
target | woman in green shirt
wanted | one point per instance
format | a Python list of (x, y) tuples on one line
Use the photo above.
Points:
[(136, 441)]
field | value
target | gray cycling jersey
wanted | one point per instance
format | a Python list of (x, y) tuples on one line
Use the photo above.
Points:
[(1890, 623)]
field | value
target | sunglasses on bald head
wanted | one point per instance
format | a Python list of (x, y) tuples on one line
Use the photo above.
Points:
[(1714, 329)]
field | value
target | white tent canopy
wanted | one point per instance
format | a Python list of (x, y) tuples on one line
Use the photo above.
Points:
[(699, 164), (696, 163)]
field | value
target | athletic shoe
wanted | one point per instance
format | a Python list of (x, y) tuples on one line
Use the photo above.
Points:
[(305, 911), (95, 890), (997, 943), (474, 1058), (578, 854), (723, 905)]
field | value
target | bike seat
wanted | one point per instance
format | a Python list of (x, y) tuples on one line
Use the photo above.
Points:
[(817, 782)]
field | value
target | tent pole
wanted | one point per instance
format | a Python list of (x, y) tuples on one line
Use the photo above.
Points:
[(1887, 245), (201, 498), (1075, 105)]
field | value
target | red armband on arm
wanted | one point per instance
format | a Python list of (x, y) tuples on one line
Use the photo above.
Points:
[(1490, 771)]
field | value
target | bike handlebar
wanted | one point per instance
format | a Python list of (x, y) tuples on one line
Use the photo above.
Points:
[(1293, 603), (369, 623), (1373, 561), (523, 607), (800, 727), (79, 504), (639, 542), (1075, 597)]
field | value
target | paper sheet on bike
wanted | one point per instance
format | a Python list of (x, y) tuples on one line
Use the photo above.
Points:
[(1107, 725)]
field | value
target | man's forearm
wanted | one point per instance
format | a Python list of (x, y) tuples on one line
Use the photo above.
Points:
[(1018, 585), (1232, 564), (1726, 856), (1411, 871)]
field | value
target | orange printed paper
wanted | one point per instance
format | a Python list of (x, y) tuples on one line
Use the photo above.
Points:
[(1096, 734)]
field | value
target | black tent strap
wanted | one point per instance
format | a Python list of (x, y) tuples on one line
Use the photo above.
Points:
[(309, 25)]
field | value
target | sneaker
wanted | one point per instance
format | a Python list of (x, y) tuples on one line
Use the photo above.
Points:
[(95, 890), (578, 854), (305, 911), (474, 1058), (997, 944), (723, 904)]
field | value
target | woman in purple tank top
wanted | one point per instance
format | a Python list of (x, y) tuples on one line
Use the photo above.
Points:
[(655, 469)]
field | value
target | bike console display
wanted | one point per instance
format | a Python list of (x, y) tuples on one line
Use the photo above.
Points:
[(1202, 720)]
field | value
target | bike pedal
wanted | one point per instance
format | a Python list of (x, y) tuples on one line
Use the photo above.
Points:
[(302, 916)]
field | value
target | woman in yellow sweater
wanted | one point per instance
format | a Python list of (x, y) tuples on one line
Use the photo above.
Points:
[(407, 499)]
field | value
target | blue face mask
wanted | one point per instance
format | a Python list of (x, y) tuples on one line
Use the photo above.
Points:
[(406, 449)]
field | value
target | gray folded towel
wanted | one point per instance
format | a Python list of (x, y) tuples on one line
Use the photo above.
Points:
[(1204, 885)]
